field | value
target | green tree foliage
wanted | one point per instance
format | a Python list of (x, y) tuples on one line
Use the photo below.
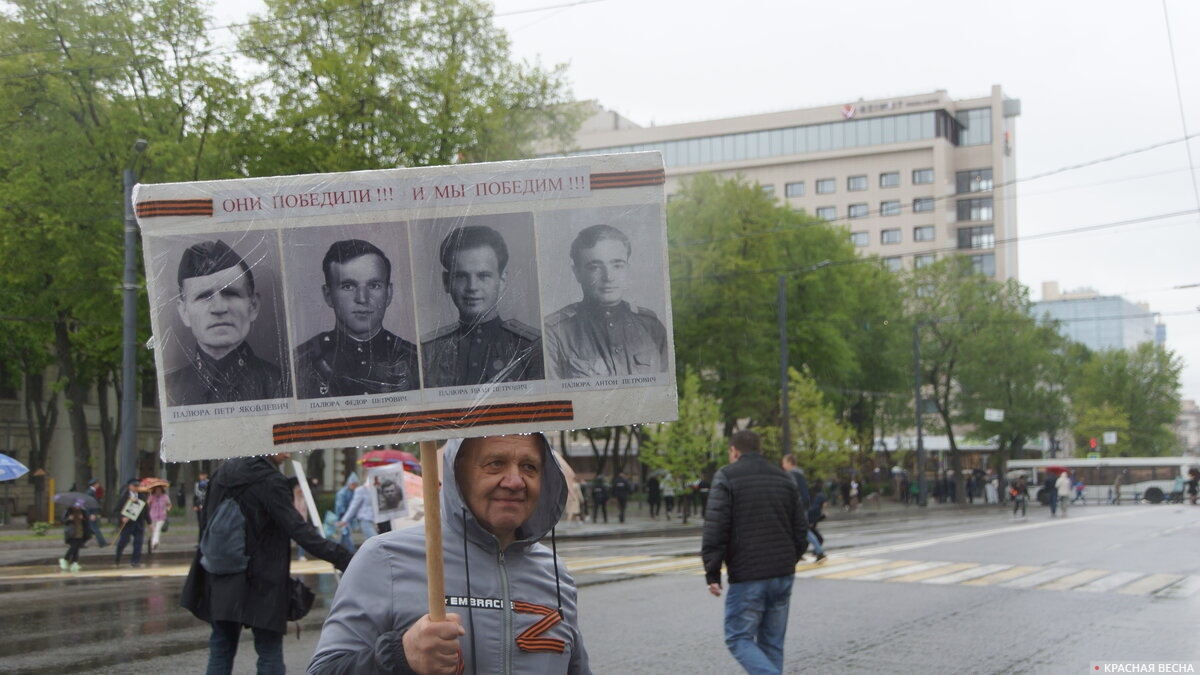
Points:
[(729, 244), (822, 444), (1092, 422), (686, 448), (362, 84), (981, 349), (1140, 386)]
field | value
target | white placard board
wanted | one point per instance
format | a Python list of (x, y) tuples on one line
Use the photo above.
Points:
[(375, 307)]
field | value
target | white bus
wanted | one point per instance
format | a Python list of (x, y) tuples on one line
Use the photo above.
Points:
[(1151, 479)]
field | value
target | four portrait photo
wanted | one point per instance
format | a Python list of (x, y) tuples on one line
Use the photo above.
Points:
[(390, 310)]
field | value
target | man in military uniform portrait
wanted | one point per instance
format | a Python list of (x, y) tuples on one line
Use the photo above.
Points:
[(480, 347), (604, 335), (359, 356), (218, 302)]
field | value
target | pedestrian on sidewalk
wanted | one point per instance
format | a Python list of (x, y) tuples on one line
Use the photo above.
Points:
[(1063, 486), (1051, 493), (134, 516), (76, 533), (621, 490), (816, 513), (668, 494), (599, 499), (199, 497), (1020, 494), (756, 528), (361, 511), (341, 503), (654, 496), (159, 504), (96, 491)]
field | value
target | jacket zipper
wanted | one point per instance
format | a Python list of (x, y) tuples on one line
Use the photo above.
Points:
[(506, 616)]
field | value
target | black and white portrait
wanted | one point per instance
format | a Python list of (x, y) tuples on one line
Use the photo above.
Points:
[(353, 317), (220, 322), (479, 300), (603, 270)]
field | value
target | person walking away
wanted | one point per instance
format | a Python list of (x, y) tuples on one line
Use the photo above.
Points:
[(1193, 485), (362, 511), (757, 530), (1051, 493), (96, 491), (1116, 491), (159, 505), (654, 496), (1063, 486), (258, 596), (1020, 494), (76, 533), (1079, 496), (816, 513), (621, 489), (134, 516), (599, 499)]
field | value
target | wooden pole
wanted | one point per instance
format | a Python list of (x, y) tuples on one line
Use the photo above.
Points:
[(434, 566)]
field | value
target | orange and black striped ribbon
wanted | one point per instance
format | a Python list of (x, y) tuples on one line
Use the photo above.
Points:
[(626, 179), (531, 639), (430, 420), (175, 207)]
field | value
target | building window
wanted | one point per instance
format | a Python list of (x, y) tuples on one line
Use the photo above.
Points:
[(858, 211), (976, 180), (922, 176), (827, 212), (889, 208), (891, 236), (984, 264), (924, 233), (975, 209), (893, 264), (856, 183), (794, 189), (922, 260), (860, 239), (826, 186), (976, 126), (768, 190), (982, 236), (923, 204), (889, 179)]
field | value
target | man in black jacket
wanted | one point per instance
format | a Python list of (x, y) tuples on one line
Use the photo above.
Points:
[(258, 597), (756, 504)]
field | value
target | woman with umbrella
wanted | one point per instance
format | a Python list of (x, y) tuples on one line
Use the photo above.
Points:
[(160, 503), (76, 534)]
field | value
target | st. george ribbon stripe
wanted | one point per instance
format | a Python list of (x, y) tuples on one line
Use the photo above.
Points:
[(430, 420)]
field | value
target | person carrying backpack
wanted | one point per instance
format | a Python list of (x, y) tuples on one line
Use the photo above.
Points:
[(257, 595)]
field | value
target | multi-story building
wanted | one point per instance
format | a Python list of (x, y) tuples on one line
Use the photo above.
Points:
[(912, 178), (1099, 321)]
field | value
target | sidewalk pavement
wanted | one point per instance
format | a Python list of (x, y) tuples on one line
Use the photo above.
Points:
[(178, 544)]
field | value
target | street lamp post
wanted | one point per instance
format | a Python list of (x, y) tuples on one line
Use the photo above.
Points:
[(129, 325), (785, 424), (922, 487)]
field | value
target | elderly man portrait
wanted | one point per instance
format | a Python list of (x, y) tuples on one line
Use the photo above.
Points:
[(481, 346), (219, 304), (604, 334), (359, 356)]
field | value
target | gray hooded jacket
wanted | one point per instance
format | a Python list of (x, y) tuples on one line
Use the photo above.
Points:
[(518, 605)]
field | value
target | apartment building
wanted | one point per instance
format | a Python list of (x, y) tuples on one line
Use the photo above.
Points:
[(911, 178)]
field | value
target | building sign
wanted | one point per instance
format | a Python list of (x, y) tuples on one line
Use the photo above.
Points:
[(378, 307)]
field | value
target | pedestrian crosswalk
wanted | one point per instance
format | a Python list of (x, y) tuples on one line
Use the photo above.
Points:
[(945, 573)]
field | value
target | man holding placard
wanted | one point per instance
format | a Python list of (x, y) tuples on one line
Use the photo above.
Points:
[(134, 516), (511, 605)]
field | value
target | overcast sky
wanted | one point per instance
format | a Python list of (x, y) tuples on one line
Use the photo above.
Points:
[(1096, 82)]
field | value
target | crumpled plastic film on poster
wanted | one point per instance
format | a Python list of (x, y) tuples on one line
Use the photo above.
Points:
[(383, 307)]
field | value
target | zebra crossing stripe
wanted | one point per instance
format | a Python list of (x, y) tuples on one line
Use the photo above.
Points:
[(1110, 582), (1150, 584), (946, 568), (884, 575), (660, 566), (1185, 588), (1002, 575), (590, 564), (854, 573), (837, 566), (1039, 578), (963, 575), (1073, 580)]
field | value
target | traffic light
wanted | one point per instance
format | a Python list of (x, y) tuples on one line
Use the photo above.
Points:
[(1092, 443)]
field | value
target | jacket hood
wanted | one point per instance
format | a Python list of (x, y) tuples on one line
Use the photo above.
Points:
[(550, 506), (352, 479)]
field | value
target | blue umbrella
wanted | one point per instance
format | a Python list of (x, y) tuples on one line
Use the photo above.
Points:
[(11, 469)]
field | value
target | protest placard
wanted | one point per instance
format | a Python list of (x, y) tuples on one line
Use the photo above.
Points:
[(381, 307)]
